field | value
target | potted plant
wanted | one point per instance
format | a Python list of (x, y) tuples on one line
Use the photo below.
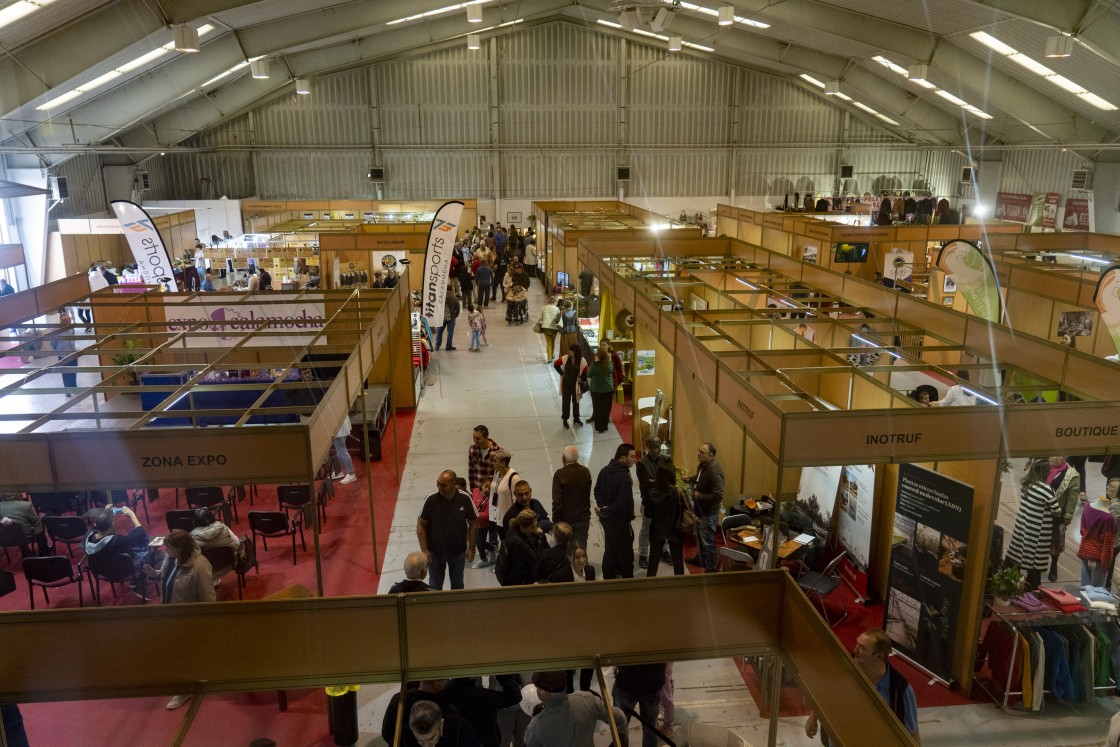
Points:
[(126, 357), (1006, 583)]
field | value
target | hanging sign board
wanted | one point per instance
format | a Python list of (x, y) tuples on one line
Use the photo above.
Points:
[(929, 549), (287, 323)]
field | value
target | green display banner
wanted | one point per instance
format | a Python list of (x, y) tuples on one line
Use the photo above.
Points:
[(975, 278)]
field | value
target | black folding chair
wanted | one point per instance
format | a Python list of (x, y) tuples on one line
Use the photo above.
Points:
[(223, 561), (69, 530), (11, 535), (212, 498), (51, 573), (272, 524), (58, 502), (116, 568), (298, 498), (178, 518), (133, 499)]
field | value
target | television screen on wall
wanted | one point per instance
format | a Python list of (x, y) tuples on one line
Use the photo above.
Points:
[(848, 252), (562, 279)]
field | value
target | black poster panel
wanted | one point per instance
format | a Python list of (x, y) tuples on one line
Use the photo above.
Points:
[(929, 551)]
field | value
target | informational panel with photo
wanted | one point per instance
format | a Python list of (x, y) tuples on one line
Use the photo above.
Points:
[(929, 552)]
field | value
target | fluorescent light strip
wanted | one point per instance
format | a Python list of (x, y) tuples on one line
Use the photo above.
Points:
[(436, 12), (19, 10), (749, 285), (1090, 259), (842, 96), (651, 35), (1042, 71), (977, 395), (116, 72), (219, 76), (898, 69), (811, 79), (715, 13)]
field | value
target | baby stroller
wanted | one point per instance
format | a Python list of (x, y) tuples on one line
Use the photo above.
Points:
[(517, 305)]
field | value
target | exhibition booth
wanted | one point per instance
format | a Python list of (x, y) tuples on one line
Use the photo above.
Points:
[(820, 416)]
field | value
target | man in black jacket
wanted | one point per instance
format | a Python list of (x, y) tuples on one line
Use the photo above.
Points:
[(707, 497), (646, 472), (571, 494), (614, 505)]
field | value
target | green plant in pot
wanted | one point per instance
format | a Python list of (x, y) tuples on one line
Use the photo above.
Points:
[(126, 357), (1006, 583)]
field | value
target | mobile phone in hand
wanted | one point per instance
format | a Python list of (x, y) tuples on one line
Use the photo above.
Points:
[(118, 510)]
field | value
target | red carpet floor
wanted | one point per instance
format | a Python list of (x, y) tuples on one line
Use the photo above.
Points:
[(235, 718)]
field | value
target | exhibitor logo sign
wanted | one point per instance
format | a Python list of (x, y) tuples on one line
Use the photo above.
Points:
[(285, 323)]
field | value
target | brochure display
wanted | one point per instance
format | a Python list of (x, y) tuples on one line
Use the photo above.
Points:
[(928, 555)]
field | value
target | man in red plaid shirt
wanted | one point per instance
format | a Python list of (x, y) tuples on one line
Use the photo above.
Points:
[(478, 457)]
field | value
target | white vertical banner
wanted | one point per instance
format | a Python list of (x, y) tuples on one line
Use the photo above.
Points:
[(146, 244), (437, 260)]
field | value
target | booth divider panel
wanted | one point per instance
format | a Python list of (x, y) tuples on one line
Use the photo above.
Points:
[(751, 410), (26, 460), (696, 359), (863, 719), (1034, 430), (648, 313), (944, 323)]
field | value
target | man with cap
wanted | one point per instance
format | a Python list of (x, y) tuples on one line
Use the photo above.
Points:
[(568, 719), (646, 470)]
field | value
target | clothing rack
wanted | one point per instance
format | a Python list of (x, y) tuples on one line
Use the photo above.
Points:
[(1021, 621)]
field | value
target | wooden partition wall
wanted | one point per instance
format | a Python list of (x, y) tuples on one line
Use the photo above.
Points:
[(262, 216), (402, 637)]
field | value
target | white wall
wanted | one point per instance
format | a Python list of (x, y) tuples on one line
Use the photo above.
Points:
[(29, 216), (1106, 197), (212, 217)]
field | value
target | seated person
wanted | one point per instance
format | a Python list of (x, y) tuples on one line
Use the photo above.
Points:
[(105, 540), (15, 510), (208, 532)]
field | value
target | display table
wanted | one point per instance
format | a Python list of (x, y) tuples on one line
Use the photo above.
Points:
[(750, 537), (379, 408), (202, 397)]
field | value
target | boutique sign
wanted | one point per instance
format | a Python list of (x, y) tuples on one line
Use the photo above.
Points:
[(280, 323)]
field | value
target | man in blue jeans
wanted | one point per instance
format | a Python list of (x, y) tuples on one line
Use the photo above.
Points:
[(707, 497), (640, 685), (446, 530)]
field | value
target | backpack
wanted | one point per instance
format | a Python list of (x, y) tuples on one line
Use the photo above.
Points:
[(501, 565)]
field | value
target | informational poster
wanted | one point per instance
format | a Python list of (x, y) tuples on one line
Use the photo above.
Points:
[(1044, 210), (386, 261), (1079, 213), (816, 497), (645, 361), (929, 552), (855, 506), (898, 267), (1012, 206)]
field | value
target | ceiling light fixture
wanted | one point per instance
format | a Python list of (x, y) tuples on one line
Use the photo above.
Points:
[(260, 68), (651, 35), (810, 79), (674, 44), (726, 15), (629, 19), (474, 13), (832, 87), (474, 41), (186, 38), (1059, 46), (303, 86), (917, 73), (923, 70), (435, 12), (661, 19), (712, 12), (16, 11)]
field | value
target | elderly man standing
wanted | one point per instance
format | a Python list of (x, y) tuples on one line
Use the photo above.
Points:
[(707, 497), (415, 569), (571, 495), (614, 505), (446, 530)]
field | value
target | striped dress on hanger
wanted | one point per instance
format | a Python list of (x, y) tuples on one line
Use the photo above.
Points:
[(1030, 539)]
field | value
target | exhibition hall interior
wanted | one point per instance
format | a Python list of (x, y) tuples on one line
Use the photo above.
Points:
[(343, 341)]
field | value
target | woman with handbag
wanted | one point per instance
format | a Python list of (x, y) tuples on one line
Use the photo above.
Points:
[(668, 505), (573, 378), (549, 325)]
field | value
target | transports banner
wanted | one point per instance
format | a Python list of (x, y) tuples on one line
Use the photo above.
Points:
[(437, 261), (146, 244)]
